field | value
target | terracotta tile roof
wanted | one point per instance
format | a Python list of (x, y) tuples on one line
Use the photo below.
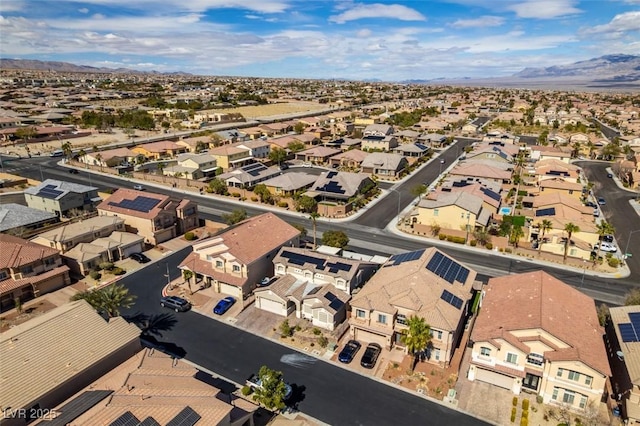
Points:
[(160, 146), (10, 284), (410, 285), (537, 300), (166, 204), (17, 252), (204, 267)]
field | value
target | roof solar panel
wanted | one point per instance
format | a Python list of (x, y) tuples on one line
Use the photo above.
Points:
[(635, 319), (434, 261), (447, 268), (627, 333), (462, 275), (140, 204), (451, 299), (78, 406), (330, 296), (127, 419), (336, 304), (546, 212), (331, 174), (491, 194), (186, 417)]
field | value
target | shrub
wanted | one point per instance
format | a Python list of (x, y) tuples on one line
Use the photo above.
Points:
[(118, 271), (489, 246), (442, 237), (189, 236), (285, 329), (323, 341), (283, 204), (614, 262), (246, 390), (514, 401), (473, 243), (254, 198), (454, 239), (95, 275), (106, 266), (236, 195), (513, 414), (539, 399), (298, 328), (317, 331), (525, 404), (508, 250), (524, 421)]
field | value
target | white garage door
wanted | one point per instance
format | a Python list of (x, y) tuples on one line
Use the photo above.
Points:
[(494, 378), (132, 249), (270, 306), (230, 289), (368, 337)]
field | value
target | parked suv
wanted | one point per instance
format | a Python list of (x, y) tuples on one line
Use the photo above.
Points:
[(176, 303), (140, 258)]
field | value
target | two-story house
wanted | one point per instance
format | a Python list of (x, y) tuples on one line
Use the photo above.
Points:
[(258, 148), (425, 283), (159, 150), (535, 333), (192, 166), (155, 217), (228, 156), (384, 165), (66, 237), (28, 270), (314, 285), (456, 211), (60, 197), (235, 261)]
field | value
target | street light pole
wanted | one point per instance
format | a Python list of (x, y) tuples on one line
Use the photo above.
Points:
[(399, 195), (626, 249)]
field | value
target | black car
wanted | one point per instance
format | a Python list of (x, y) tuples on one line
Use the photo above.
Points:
[(349, 351), (608, 238), (140, 258), (590, 204), (176, 303), (73, 171), (370, 355), (284, 166)]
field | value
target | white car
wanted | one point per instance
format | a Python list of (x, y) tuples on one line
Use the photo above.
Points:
[(607, 247)]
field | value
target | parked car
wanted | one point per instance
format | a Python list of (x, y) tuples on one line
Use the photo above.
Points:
[(609, 175), (138, 187), (596, 212), (307, 165), (370, 355), (602, 201), (284, 166), (608, 238), (73, 171), (140, 258), (265, 281), (57, 153), (590, 204), (224, 305), (349, 351), (607, 247), (176, 303)]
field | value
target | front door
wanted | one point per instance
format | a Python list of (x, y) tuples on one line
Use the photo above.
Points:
[(531, 382)]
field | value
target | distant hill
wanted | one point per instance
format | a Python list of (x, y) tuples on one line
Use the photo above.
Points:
[(32, 64)]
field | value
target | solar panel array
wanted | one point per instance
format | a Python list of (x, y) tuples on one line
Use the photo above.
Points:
[(489, 193), (447, 269), (546, 212), (630, 332), (500, 152), (405, 257), (254, 169), (422, 147), (49, 191), (321, 264), (127, 419), (335, 302), (451, 299), (186, 417), (331, 174), (332, 186), (139, 204), (338, 266)]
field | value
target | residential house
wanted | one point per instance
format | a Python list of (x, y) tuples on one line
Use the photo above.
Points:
[(482, 170), (62, 198), (476, 125), (407, 136), (629, 171), (229, 156), (258, 148), (380, 130), (196, 144), (425, 283), (287, 185), (317, 154), (384, 165), (155, 217), (541, 152), (553, 168), (623, 346), (21, 221), (236, 260), (65, 361), (492, 152), (249, 175), (457, 211), (87, 256), (193, 166), (28, 270), (349, 159), (66, 237), (110, 157), (379, 143), (159, 150), (488, 191), (536, 333), (154, 388), (559, 185), (412, 150), (337, 188)]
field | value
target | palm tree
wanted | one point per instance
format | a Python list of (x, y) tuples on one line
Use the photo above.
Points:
[(417, 337), (66, 148), (187, 275), (108, 300), (82, 153), (569, 228), (545, 225), (604, 228), (99, 158), (313, 216), (516, 234)]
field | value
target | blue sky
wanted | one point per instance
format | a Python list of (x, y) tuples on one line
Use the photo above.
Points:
[(386, 40)]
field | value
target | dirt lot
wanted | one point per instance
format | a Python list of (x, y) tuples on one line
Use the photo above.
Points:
[(250, 112)]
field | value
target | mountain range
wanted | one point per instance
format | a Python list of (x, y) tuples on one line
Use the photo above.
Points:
[(609, 72)]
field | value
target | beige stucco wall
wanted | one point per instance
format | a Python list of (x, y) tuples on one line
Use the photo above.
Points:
[(448, 217)]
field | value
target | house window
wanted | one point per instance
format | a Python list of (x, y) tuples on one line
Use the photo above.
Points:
[(436, 334), (236, 268), (512, 358), (484, 351), (382, 319), (360, 313), (574, 375), (50, 261), (588, 380), (555, 394), (568, 397), (27, 269), (280, 268), (401, 319), (435, 212), (218, 263), (3, 275), (583, 401), (436, 354), (535, 359), (560, 372)]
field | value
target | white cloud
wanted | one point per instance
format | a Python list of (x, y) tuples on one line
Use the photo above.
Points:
[(483, 21), (618, 26), (12, 6), (364, 33), (544, 9), (83, 10), (262, 6), (377, 10)]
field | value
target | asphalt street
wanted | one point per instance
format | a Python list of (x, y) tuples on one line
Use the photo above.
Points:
[(323, 390)]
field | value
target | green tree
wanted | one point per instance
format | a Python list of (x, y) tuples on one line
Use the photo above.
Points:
[(277, 155), (108, 300), (187, 275), (570, 229), (604, 228), (26, 133), (419, 190), (416, 338), (272, 389), (98, 157), (302, 229), (299, 127), (217, 186), (334, 239), (516, 233), (306, 204), (263, 193), (295, 146), (201, 146), (482, 236), (544, 226), (67, 149), (236, 216)]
